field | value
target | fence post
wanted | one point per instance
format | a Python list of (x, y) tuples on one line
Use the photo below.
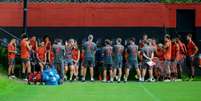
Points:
[(25, 10)]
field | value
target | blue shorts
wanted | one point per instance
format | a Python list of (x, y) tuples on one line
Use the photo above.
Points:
[(89, 62), (118, 62), (167, 62), (108, 60), (132, 63), (108, 65), (68, 62)]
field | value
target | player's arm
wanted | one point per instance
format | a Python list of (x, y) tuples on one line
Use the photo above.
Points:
[(78, 58), (196, 49), (146, 56), (46, 58), (126, 55), (11, 51), (37, 56), (152, 55), (28, 46), (166, 45)]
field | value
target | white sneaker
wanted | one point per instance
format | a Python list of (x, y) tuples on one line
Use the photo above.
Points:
[(142, 79), (111, 80), (92, 79), (65, 77), (9, 77), (25, 79), (104, 80), (178, 80), (83, 79), (125, 79), (152, 80), (167, 80), (13, 76), (116, 77), (119, 80)]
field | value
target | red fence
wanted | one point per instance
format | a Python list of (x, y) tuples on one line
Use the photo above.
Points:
[(95, 14)]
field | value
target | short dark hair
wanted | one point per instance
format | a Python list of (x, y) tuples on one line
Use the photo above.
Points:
[(189, 35), (24, 36), (119, 40), (132, 39), (107, 41), (178, 36), (90, 37), (167, 36)]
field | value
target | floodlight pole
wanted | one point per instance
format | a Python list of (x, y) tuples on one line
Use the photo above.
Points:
[(25, 10)]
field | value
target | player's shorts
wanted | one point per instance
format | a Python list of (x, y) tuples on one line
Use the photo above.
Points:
[(108, 60), (167, 62), (145, 65), (173, 67), (76, 63), (167, 65), (108, 66), (190, 60), (118, 62), (58, 60), (68, 62), (11, 61), (25, 60), (89, 62), (132, 64)]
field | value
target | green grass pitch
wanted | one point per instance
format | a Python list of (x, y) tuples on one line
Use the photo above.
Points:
[(13, 90)]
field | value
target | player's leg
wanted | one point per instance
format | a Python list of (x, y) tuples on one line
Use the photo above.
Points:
[(138, 71), (115, 70), (13, 70), (27, 67), (9, 68), (92, 73), (111, 72), (91, 67), (71, 66), (192, 68), (167, 70), (115, 73), (150, 70), (41, 66), (82, 70), (76, 68), (24, 67), (104, 74), (179, 70), (174, 70), (65, 71), (144, 70), (119, 74), (138, 74), (84, 73), (127, 70)]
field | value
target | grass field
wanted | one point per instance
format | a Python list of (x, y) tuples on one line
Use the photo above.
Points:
[(13, 90)]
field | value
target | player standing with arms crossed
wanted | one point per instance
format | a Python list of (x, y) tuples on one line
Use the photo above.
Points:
[(11, 58)]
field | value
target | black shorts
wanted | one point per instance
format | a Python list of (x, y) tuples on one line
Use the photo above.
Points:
[(25, 60)]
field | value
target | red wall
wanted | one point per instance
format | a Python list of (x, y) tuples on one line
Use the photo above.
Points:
[(107, 15)]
